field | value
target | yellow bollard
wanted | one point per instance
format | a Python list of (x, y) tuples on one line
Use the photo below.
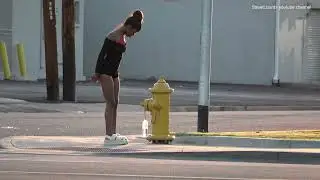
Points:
[(22, 60), (5, 61), (159, 106)]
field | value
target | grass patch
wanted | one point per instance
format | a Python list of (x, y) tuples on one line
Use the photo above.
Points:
[(297, 134)]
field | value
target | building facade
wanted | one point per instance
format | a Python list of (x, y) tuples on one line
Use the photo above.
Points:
[(21, 22), (243, 50)]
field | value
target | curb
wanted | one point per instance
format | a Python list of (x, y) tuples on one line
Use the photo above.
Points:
[(5, 143), (222, 141), (227, 141), (244, 156), (214, 154), (245, 108)]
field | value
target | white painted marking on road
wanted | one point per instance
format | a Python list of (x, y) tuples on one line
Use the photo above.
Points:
[(10, 127), (44, 160), (125, 175)]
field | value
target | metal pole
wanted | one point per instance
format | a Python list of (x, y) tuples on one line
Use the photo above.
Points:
[(49, 22), (69, 66), (276, 80), (205, 66)]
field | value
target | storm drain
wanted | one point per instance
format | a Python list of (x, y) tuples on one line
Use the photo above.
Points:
[(95, 149)]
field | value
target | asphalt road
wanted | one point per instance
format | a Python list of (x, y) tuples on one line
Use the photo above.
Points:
[(184, 94), (129, 123), (42, 167)]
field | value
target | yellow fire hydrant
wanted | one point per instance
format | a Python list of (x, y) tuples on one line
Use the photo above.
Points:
[(159, 106)]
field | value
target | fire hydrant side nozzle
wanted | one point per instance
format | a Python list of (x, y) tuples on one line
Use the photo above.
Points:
[(159, 106)]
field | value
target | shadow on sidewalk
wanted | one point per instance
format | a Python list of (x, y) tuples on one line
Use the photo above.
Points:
[(232, 156)]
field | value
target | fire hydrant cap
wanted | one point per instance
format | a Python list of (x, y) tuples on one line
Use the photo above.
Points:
[(161, 86)]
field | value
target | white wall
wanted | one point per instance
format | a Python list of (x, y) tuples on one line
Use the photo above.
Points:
[(6, 28), (292, 40), (292, 27), (314, 3), (243, 42), (167, 45), (79, 34), (26, 30)]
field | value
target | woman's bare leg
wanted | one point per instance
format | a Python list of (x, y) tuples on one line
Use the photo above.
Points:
[(116, 86), (107, 85)]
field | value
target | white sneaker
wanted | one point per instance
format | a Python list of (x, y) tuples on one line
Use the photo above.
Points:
[(116, 139)]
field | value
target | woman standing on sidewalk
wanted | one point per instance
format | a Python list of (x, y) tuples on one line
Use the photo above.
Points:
[(108, 64)]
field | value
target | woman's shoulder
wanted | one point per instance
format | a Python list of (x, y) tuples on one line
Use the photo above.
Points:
[(109, 41), (113, 38)]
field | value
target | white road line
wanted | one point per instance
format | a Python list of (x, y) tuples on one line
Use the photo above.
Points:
[(124, 175), (4, 160), (52, 160), (122, 160)]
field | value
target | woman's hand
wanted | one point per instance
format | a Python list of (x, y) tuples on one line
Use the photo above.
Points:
[(95, 77)]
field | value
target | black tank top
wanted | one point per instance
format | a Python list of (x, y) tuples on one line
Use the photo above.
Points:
[(110, 55)]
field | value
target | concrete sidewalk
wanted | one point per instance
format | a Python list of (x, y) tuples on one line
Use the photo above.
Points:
[(140, 148)]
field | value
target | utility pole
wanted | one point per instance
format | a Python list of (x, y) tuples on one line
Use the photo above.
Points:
[(49, 22), (69, 66), (205, 66), (276, 79)]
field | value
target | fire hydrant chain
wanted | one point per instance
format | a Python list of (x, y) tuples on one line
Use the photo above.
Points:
[(145, 114), (153, 121)]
